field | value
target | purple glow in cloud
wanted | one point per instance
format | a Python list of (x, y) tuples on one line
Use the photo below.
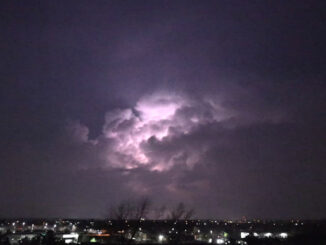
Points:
[(158, 117), (157, 133)]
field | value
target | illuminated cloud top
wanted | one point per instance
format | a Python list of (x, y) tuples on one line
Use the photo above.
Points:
[(157, 119), (150, 135)]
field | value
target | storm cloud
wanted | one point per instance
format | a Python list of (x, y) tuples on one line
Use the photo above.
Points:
[(219, 104)]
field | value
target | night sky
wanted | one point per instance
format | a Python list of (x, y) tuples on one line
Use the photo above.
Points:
[(219, 104)]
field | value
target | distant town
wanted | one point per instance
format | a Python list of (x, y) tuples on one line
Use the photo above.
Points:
[(68, 231)]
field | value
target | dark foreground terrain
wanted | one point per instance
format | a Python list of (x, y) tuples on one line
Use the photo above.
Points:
[(150, 232)]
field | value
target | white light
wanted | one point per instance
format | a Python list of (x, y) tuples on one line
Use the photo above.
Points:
[(69, 241), (244, 234), (283, 235), (71, 236), (210, 240), (219, 241), (268, 234), (160, 238)]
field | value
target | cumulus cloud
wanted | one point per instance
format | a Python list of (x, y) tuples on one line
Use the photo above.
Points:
[(77, 131), (145, 134), (169, 146), (173, 146), (161, 130)]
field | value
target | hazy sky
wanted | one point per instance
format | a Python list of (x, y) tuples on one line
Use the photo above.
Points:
[(219, 104)]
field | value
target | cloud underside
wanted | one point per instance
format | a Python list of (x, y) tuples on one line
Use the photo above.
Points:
[(166, 130)]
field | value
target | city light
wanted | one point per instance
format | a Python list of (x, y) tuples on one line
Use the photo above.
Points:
[(283, 235), (220, 241), (268, 234), (244, 234), (160, 238)]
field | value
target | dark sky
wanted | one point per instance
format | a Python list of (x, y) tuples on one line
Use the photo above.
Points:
[(219, 104)]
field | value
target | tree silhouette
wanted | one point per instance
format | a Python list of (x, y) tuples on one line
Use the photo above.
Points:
[(128, 216), (178, 217)]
